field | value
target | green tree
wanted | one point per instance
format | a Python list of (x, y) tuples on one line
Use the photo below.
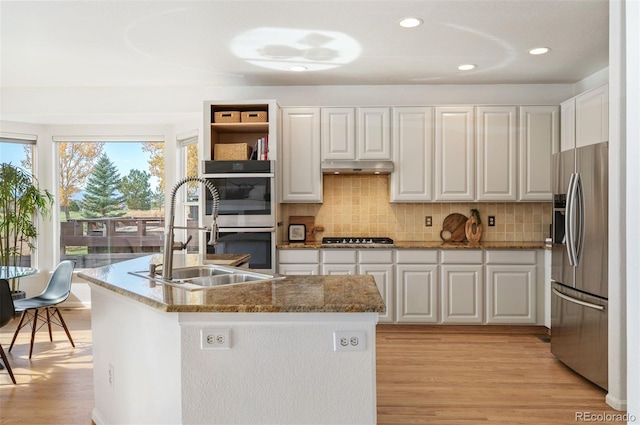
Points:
[(102, 198), (136, 190)]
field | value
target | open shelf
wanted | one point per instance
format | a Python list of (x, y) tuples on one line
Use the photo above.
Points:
[(241, 127)]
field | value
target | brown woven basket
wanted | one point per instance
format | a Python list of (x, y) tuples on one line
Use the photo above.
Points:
[(254, 116), (231, 151), (226, 116)]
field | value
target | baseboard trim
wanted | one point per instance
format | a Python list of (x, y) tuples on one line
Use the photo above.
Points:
[(616, 403)]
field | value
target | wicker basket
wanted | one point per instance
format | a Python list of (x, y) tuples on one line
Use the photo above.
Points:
[(254, 116), (231, 151), (226, 116)]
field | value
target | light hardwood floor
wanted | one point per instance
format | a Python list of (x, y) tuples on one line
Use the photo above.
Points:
[(426, 375)]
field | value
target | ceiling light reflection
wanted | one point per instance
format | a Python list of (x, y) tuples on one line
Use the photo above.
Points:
[(410, 22), (539, 51)]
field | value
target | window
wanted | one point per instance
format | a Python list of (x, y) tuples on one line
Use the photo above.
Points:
[(190, 196), (111, 200), (18, 150)]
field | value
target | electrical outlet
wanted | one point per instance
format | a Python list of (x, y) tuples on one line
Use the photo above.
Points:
[(428, 221), (215, 338), (348, 341), (492, 220), (112, 376)]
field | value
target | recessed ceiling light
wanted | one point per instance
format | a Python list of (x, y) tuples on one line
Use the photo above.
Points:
[(298, 68), (539, 51), (467, 67), (410, 22)]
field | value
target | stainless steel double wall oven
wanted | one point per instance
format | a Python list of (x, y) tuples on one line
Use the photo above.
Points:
[(247, 209)]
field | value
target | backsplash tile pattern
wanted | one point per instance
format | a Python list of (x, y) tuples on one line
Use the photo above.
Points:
[(359, 205)]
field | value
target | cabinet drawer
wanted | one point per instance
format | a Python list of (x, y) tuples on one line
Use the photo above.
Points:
[(375, 256), (339, 256), (461, 256), (416, 256), (511, 257), (298, 256)]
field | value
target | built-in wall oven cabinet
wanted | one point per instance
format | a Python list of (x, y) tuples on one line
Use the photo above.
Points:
[(247, 193), (259, 242)]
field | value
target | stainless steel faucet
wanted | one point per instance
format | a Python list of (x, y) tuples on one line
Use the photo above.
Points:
[(169, 244)]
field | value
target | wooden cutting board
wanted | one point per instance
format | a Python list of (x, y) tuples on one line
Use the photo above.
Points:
[(309, 222), (453, 228)]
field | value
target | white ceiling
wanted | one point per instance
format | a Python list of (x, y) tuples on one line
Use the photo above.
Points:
[(106, 44)]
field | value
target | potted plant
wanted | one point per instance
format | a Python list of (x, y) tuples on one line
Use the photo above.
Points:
[(21, 201)]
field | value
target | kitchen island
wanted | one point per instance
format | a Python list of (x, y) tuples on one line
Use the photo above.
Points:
[(152, 362)]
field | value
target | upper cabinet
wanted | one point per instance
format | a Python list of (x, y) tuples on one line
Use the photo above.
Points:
[(300, 164), (412, 139), (592, 116), (355, 133), (585, 119), (537, 140), (496, 153), (454, 153), (241, 125)]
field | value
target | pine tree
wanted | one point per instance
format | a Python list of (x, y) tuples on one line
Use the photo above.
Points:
[(136, 190), (102, 198)]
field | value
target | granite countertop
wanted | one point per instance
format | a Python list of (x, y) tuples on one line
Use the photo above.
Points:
[(327, 294), (429, 245)]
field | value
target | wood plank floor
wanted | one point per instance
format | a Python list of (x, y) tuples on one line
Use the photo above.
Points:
[(426, 375)]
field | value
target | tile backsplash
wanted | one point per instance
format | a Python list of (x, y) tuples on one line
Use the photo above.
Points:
[(359, 206)]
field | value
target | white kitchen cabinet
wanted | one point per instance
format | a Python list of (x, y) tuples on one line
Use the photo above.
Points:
[(511, 287), (379, 264), (592, 116), (412, 142), (496, 153), (355, 133), (416, 286), (339, 261), (300, 168), (568, 125), (454, 153), (538, 139), (298, 262), (461, 283)]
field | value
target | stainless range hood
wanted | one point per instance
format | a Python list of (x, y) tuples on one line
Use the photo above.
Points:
[(338, 166)]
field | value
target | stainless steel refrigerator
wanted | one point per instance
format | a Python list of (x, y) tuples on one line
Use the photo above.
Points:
[(579, 287)]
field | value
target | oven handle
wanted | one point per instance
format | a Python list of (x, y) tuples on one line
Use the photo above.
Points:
[(246, 229), (238, 175)]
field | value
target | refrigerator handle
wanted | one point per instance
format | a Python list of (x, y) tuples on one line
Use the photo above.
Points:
[(570, 222), (575, 301), (580, 212)]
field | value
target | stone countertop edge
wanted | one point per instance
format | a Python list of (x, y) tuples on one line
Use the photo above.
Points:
[(293, 294), (429, 245)]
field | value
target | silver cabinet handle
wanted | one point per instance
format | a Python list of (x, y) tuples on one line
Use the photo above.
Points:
[(573, 300)]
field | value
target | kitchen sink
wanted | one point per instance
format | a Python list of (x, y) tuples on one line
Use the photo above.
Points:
[(207, 276)]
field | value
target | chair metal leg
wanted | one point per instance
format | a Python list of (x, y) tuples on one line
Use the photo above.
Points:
[(49, 324), (15, 335), (33, 330), (64, 325), (7, 365)]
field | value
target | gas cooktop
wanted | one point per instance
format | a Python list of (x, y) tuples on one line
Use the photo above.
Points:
[(364, 241)]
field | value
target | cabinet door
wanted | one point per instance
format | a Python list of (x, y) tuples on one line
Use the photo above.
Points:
[(339, 269), (301, 174), (496, 144), (298, 269), (511, 294), (417, 293), (338, 133), (373, 134), (411, 180), (592, 116), (567, 125), (383, 275), (462, 293), (455, 155), (537, 139)]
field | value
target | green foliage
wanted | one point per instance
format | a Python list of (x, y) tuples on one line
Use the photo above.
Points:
[(102, 198), (136, 190), (21, 200)]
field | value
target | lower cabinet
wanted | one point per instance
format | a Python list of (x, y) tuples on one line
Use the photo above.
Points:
[(417, 286), (298, 262), (461, 283)]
